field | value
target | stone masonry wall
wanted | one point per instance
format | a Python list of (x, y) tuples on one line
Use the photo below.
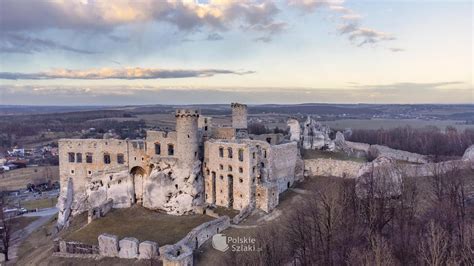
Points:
[(330, 167)]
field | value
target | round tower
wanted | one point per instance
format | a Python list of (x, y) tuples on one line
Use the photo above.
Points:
[(187, 139), (239, 116)]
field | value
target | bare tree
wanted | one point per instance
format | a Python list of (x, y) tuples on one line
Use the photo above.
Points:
[(434, 248), (5, 226)]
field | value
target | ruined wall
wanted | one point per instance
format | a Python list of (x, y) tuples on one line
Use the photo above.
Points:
[(223, 133), (267, 196), (126, 248), (187, 137), (80, 159), (158, 143), (239, 115), (330, 167), (273, 139), (232, 177), (379, 150), (100, 211), (282, 160)]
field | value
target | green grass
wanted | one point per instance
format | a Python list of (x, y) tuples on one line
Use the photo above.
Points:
[(140, 223), (318, 154), (39, 204)]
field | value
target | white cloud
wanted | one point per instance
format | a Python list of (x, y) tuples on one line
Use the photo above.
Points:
[(120, 73)]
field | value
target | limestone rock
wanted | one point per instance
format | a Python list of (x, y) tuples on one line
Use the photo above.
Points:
[(295, 130), (108, 245), (64, 203), (316, 136), (128, 248), (173, 189), (469, 154), (380, 178), (148, 250)]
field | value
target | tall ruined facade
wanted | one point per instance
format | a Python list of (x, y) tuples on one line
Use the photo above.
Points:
[(165, 170)]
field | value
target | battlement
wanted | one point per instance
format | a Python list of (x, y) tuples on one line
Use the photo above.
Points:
[(238, 105), (187, 113)]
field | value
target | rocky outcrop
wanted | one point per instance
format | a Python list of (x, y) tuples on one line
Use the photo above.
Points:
[(379, 178), (295, 130), (469, 154), (173, 189), (65, 203), (316, 136)]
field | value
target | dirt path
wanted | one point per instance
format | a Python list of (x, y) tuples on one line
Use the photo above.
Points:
[(19, 236)]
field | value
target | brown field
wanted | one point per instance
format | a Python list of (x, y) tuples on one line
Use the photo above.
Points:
[(39, 204), (19, 178), (140, 223)]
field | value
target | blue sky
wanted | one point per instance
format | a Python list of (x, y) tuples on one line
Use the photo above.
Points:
[(143, 52)]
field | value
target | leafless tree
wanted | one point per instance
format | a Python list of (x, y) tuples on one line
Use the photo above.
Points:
[(5, 225)]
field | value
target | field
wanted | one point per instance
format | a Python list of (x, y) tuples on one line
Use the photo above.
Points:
[(392, 123), (19, 178), (140, 223), (39, 204)]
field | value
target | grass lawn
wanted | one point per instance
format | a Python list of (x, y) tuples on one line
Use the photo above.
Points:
[(40, 203), (317, 154), (140, 223)]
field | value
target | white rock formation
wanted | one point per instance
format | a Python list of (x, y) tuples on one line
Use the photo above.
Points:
[(64, 204), (469, 154), (173, 189), (295, 130), (380, 178), (316, 136)]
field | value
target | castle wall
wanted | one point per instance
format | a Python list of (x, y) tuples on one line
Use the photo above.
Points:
[(239, 116), (330, 167), (273, 139), (187, 138), (77, 165), (223, 133), (231, 174), (282, 159), (164, 140)]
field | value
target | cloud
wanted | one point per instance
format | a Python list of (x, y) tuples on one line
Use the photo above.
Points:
[(214, 37), (121, 73), (396, 49), (17, 43), (350, 21), (101, 15), (128, 95)]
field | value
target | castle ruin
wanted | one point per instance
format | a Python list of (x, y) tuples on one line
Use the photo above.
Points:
[(195, 166)]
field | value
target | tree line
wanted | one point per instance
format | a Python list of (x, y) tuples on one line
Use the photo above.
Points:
[(428, 140), (429, 223)]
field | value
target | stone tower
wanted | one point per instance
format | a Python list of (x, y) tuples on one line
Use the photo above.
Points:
[(187, 139), (239, 116)]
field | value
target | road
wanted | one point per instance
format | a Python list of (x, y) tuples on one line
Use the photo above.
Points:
[(19, 236)]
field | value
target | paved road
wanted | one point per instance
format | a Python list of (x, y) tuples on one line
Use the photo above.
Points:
[(19, 236)]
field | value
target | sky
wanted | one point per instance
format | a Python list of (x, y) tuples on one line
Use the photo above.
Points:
[(129, 52)]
